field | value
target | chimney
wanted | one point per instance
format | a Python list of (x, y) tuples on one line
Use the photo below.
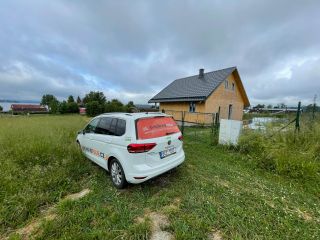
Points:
[(201, 73)]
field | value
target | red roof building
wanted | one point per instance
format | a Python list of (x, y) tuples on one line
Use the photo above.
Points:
[(82, 111), (28, 108)]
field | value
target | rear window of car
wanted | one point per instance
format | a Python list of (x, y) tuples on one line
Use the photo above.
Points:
[(155, 127)]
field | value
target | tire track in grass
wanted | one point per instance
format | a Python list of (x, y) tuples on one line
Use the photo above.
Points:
[(47, 215)]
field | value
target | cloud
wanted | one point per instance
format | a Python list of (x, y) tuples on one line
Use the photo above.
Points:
[(131, 51)]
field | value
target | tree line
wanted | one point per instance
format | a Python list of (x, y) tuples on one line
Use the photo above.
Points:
[(94, 102)]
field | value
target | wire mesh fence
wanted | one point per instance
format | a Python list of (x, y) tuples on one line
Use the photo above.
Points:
[(273, 121), (196, 125), (205, 126)]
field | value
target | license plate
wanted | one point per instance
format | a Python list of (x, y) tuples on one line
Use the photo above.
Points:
[(167, 152)]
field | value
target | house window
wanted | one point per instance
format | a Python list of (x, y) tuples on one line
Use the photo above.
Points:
[(230, 111), (232, 86), (192, 107), (226, 84)]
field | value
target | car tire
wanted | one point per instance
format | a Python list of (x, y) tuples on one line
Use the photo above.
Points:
[(117, 175)]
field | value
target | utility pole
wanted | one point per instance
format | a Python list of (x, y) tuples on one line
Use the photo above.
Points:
[(298, 117), (314, 106)]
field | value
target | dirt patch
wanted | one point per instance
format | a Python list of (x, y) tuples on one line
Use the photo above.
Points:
[(26, 231), (270, 204), (175, 205), (158, 223), (304, 215), (219, 181), (47, 215), (215, 235), (163, 180), (223, 183), (76, 196)]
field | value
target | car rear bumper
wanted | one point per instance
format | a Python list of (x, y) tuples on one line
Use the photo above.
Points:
[(151, 173)]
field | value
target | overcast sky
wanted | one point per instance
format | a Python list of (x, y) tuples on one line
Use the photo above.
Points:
[(132, 49)]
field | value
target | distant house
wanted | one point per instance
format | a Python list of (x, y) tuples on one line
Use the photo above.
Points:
[(82, 111), (219, 91), (28, 108)]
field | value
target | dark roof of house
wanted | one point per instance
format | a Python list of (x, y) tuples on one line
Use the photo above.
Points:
[(192, 88)]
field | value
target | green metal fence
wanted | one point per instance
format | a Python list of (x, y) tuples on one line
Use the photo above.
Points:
[(196, 125)]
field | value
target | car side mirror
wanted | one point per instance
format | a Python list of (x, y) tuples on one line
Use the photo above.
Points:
[(82, 131)]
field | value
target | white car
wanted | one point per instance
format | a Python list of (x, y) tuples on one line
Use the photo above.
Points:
[(133, 147)]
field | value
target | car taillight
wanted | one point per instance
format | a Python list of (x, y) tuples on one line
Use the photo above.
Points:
[(140, 147), (180, 138)]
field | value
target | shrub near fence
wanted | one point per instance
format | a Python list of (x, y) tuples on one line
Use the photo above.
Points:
[(290, 147)]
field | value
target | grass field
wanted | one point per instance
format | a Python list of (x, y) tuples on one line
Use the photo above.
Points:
[(215, 193)]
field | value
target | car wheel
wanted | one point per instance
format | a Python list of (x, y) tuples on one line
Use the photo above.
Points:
[(117, 174)]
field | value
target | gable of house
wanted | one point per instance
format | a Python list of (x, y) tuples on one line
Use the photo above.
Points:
[(227, 94)]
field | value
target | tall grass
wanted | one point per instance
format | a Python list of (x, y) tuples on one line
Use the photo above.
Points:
[(296, 155), (213, 191), (39, 163)]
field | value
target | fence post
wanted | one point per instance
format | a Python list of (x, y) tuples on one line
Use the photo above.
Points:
[(298, 117), (213, 121), (217, 117), (182, 122)]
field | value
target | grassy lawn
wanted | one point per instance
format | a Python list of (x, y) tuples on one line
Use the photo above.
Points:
[(216, 191)]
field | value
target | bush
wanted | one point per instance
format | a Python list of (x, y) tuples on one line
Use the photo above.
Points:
[(94, 97), (94, 108), (63, 107), (95, 103), (251, 142), (54, 107), (51, 101), (296, 165), (72, 107), (114, 106), (287, 154)]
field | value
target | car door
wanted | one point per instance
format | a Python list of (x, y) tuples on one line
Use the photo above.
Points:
[(118, 129), (102, 140), (87, 144)]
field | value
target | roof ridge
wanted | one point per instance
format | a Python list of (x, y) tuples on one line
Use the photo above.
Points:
[(222, 69)]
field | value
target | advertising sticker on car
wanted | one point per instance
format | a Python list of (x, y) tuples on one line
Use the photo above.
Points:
[(156, 127)]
